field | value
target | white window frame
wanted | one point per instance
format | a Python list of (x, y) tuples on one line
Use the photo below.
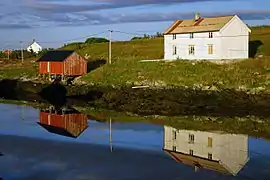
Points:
[(174, 50), (191, 49), (191, 35), (212, 49), (174, 36), (210, 34)]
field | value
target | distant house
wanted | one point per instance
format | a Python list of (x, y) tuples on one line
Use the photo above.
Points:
[(216, 151), (7, 52), (62, 62), (213, 38), (69, 123), (34, 47)]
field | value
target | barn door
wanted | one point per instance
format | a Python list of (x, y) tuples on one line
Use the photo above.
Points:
[(48, 67)]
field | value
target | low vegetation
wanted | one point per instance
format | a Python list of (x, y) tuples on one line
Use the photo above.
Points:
[(126, 68)]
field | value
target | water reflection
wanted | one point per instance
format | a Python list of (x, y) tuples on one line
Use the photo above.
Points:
[(221, 152), (30, 152), (66, 121)]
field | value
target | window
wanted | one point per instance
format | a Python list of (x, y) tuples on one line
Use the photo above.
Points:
[(174, 50), (174, 148), (191, 50), (174, 36), (210, 48), (210, 142), (191, 139), (191, 152), (210, 34), (191, 35), (174, 135), (210, 156)]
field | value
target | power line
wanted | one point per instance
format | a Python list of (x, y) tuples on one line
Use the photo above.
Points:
[(78, 38)]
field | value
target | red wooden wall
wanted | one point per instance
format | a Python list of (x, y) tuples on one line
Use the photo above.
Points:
[(74, 123), (74, 65)]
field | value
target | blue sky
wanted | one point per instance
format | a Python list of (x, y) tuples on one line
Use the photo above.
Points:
[(55, 22)]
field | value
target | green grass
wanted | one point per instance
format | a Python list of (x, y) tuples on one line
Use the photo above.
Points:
[(181, 73), (16, 69), (127, 70)]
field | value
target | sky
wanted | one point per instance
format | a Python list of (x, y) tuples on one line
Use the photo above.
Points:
[(53, 23)]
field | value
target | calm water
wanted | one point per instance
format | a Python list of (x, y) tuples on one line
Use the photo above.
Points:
[(41, 145)]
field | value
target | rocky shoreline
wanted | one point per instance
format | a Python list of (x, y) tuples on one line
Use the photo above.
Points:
[(167, 101)]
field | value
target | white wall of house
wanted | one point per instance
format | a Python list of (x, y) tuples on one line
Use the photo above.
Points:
[(200, 41), (235, 40), (229, 43), (230, 149), (35, 47)]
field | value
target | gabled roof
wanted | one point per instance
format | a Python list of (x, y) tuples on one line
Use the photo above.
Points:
[(201, 25), (34, 41), (56, 55), (199, 162)]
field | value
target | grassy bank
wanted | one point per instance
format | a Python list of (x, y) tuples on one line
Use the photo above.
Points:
[(127, 70), (249, 125), (16, 68)]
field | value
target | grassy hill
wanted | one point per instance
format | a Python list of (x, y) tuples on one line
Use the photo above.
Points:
[(154, 48), (127, 70)]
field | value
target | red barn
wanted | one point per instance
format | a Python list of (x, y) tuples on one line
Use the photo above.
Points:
[(70, 124), (62, 62)]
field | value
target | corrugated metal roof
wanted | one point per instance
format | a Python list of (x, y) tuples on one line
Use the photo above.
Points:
[(201, 25), (57, 55)]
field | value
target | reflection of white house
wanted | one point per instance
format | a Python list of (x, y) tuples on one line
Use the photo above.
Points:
[(224, 153), (35, 47), (225, 37)]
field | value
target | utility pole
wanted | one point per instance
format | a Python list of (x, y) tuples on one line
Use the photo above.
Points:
[(110, 46), (21, 50)]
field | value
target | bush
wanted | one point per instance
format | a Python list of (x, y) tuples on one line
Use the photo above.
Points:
[(96, 40)]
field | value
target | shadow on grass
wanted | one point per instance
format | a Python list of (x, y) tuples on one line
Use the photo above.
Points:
[(253, 47), (94, 64)]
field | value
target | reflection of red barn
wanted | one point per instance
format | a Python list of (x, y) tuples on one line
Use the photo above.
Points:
[(62, 62), (70, 124)]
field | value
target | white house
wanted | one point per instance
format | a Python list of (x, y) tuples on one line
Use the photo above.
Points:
[(213, 38), (35, 47), (221, 152)]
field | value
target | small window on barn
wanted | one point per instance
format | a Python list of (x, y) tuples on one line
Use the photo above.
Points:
[(174, 36), (174, 50), (210, 34), (174, 148), (191, 50), (191, 35)]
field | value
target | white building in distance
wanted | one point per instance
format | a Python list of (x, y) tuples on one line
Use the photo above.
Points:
[(35, 47), (213, 38)]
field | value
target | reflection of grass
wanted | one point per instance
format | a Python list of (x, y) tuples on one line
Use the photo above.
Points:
[(252, 126), (23, 103)]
